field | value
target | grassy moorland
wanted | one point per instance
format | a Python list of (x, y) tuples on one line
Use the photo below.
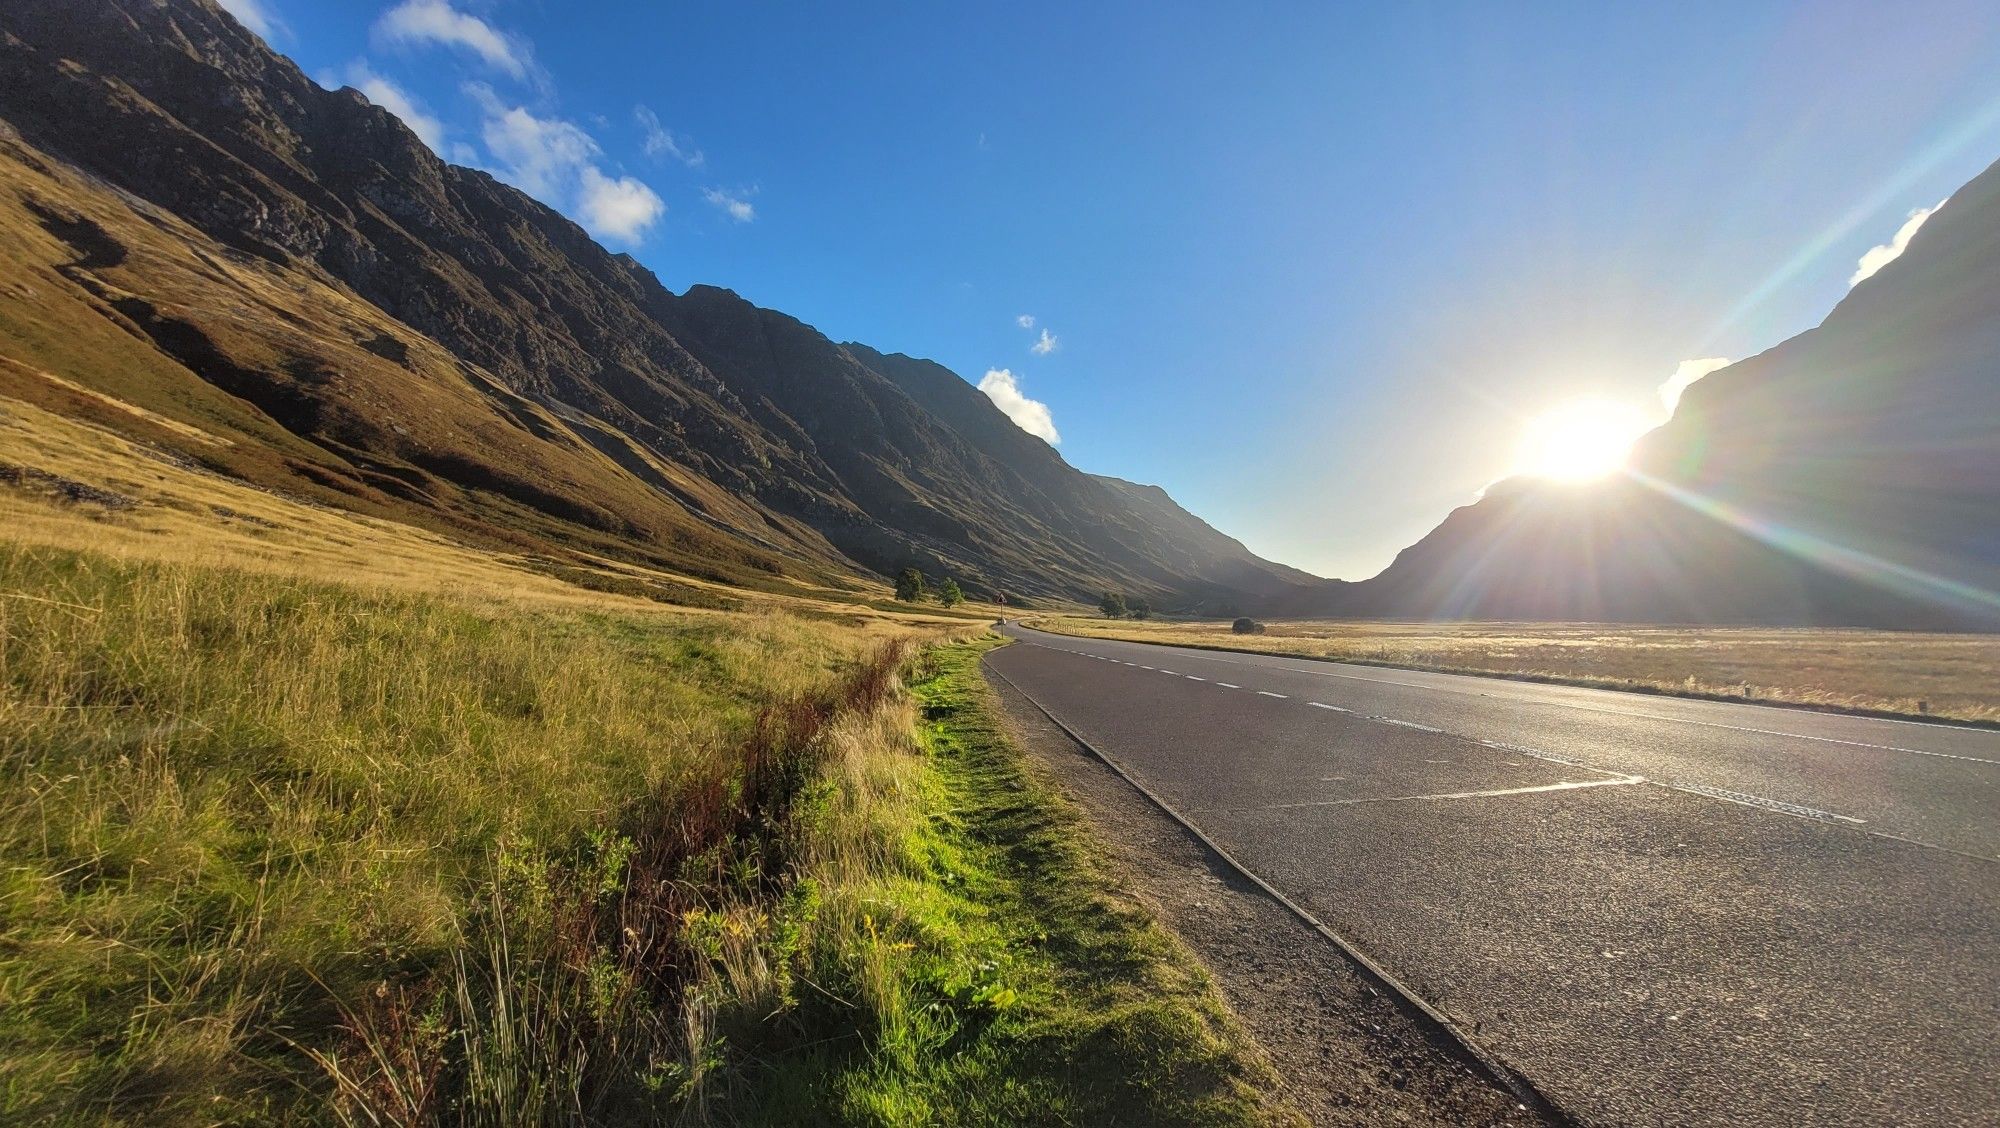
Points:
[(280, 848), (1905, 674)]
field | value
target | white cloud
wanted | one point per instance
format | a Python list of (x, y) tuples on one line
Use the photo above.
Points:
[(538, 155), (1025, 321), (621, 207), (659, 141), (1687, 373), (1880, 256), (1029, 415), (420, 22), (396, 100), (557, 162), (1047, 344), (739, 209), (251, 14)]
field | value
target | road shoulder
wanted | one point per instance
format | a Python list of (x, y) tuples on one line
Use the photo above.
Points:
[(1348, 1053)]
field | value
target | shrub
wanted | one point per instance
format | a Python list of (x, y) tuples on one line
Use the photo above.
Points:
[(1247, 626)]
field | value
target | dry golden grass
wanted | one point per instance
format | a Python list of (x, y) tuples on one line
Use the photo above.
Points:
[(185, 514), (1935, 675)]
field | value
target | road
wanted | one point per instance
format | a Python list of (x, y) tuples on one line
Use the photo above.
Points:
[(1659, 910)]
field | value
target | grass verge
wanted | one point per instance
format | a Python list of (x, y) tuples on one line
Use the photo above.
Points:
[(997, 972), (1953, 677), (281, 850)]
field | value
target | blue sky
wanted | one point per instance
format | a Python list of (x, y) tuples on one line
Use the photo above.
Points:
[(1312, 267)]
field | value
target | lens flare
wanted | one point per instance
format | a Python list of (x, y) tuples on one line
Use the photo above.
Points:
[(1579, 441)]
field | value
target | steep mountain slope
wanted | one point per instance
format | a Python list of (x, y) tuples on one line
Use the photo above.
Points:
[(291, 268), (1851, 475)]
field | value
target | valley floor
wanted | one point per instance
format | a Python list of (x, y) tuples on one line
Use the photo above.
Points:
[(1890, 673)]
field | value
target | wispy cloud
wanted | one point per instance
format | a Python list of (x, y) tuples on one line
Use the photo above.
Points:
[(1025, 321), (734, 204), (435, 22), (1883, 254), (252, 14), (1029, 415), (1687, 373), (659, 141), (1045, 344), (538, 155), (398, 101), (557, 162)]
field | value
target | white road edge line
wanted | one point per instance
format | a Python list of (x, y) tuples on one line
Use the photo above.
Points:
[(1493, 1064)]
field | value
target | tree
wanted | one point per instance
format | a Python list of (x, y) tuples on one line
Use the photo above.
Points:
[(1247, 626), (1140, 609), (1113, 605), (949, 595), (910, 585)]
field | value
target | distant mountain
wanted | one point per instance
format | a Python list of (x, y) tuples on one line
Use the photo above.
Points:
[(211, 252), (1851, 476)]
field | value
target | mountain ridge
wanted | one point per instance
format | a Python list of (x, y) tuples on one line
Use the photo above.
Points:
[(694, 429)]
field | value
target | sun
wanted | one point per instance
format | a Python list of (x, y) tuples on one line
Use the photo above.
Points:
[(1579, 441)]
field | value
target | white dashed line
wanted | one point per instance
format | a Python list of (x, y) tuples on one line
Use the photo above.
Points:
[(1778, 805), (1565, 785), (1191, 677), (1268, 693), (1332, 708), (1227, 685), (1406, 724), (1445, 685)]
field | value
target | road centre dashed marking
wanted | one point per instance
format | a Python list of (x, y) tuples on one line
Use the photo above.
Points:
[(1767, 804), (1445, 686), (1615, 779), (1564, 785)]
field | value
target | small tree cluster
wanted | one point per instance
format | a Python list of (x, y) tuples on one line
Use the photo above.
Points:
[(1113, 605), (1247, 626), (910, 588)]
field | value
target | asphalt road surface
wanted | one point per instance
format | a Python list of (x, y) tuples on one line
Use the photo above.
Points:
[(1660, 911)]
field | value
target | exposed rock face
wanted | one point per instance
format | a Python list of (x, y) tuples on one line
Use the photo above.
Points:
[(520, 359), (1851, 475)]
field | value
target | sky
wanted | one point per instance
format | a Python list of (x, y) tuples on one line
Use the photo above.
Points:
[(1314, 268)]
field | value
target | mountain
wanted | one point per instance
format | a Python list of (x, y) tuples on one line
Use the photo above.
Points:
[(1848, 476), (211, 252)]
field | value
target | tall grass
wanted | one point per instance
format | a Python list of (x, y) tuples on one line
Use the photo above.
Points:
[(276, 850), (241, 815)]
